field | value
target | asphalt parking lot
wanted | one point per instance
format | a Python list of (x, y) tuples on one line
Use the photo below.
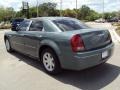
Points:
[(19, 72)]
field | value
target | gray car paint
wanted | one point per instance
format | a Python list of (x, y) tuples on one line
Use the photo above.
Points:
[(30, 43)]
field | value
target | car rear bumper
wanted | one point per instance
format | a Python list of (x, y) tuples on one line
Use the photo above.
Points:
[(83, 60)]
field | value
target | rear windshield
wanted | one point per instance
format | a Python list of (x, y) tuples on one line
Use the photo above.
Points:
[(69, 24)]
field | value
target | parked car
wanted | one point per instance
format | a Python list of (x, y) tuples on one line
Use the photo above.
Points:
[(16, 22), (113, 20), (101, 20), (60, 43)]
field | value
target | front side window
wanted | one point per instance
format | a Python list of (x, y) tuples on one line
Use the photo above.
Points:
[(24, 25), (69, 24), (36, 26)]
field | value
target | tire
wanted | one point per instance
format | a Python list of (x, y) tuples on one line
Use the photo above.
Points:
[(50, 61), (8, 46)]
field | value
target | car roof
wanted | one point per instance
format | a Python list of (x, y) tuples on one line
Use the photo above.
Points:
[(48, 18)]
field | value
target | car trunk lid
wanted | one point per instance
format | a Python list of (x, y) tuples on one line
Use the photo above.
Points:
[(93, 38)]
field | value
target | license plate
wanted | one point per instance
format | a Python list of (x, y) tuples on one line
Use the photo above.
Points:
[(105, 54)]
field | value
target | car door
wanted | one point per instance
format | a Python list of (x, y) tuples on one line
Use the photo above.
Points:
[(31, 38), (18, 38)]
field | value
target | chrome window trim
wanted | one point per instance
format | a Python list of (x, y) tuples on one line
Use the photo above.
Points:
[(28, 28)]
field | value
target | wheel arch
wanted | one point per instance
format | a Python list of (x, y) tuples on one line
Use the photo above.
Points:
[(5, 37), (49, 44)]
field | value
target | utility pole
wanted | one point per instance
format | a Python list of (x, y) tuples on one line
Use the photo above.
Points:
[(61, 7), (103, 9), (76, 10), (37, 8)]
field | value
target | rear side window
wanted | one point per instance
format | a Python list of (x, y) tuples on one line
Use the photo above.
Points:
[(24, 25), (48, 26), (36, 26)]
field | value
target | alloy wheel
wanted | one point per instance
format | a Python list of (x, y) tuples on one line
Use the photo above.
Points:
[(48, 61), (7, 45)]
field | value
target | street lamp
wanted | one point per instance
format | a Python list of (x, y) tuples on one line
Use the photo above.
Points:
[(76, 4), (37, 8), (61, 8), (103, 9), (76, 9)]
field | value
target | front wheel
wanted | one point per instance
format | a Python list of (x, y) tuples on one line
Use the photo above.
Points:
[(50, 61), (8, 46)]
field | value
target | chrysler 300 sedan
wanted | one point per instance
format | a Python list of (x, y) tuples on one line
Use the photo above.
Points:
[(60, 43)]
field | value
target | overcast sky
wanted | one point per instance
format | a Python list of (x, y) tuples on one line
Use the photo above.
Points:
[(110, 5)]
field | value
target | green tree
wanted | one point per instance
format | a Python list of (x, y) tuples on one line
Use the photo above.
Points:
[(92, 16), (33, 12), (84, 12), (6, 14), (69, 13), (47, 9)]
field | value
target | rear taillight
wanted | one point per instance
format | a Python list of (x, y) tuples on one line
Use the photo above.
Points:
[(77, 43)]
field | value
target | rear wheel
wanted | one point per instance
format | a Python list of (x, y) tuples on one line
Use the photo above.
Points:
[(50, 61), (8, 46)]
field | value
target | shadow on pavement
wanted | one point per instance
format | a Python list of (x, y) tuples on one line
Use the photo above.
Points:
[(89, 79)]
